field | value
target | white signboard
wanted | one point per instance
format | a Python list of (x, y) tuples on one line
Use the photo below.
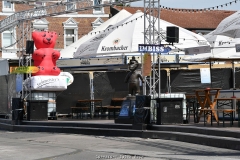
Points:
[(205, 75), (47, 83), (197, 50), (96, 61)]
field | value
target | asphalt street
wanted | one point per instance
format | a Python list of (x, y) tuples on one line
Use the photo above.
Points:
[(55, 146)]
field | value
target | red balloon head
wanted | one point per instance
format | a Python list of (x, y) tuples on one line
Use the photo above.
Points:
[(44, 39)]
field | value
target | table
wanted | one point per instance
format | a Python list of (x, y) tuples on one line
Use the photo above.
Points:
[(204, 100), (92, 103)]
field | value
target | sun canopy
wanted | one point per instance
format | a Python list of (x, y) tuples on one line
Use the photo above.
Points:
[(223, 49), (229, 26), (124, 37)]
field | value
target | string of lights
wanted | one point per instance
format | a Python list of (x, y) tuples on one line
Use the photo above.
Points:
[(199, 10)]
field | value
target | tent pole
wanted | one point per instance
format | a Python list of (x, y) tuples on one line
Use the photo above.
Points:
[(159, 77), (210, 63), (91, 94), (233, 70)]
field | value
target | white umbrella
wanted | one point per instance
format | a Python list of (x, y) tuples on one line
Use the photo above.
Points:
[(125, 36), (221, 41), (217, 54), (71, 49), (223, 49), (230, 26)]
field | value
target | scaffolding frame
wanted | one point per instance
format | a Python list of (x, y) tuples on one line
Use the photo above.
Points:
[(152, 35)]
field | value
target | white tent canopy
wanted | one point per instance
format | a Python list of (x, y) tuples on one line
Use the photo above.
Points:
[(217, 54), (221, 41), (124, 37), (223, 49), (229, 26), (71, 49)]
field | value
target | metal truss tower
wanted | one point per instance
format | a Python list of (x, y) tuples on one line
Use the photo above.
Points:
[(24, 29), (152, 36)]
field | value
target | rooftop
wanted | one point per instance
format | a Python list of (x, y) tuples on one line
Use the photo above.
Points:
[(207, 20)]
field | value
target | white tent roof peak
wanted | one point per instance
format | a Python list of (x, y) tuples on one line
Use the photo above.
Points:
[(98, 20), (138, 11), (70, 21)]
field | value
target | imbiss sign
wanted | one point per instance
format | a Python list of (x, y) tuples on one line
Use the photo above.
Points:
[(149, 48)]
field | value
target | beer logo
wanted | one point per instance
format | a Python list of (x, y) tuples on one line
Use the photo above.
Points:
[(116, 41)]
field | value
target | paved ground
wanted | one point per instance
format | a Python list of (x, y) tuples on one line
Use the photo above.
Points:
[(55, 146)]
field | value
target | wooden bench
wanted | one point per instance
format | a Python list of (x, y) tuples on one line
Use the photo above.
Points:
[(80, 108), (101, 109), (115, 105), (226, 112)]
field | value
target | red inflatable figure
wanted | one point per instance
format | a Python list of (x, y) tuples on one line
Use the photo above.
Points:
[(45, 56)]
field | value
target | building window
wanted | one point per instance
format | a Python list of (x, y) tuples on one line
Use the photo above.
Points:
[(70, 32), (70, 6), (97, 9), (7, 7), (69, 36), (8, 44), (8, 38)]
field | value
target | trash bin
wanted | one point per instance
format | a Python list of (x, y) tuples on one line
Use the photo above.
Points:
[(170, 111), (37, 110), (17, 109)]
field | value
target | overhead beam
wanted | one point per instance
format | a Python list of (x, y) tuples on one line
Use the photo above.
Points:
[(51, 10)]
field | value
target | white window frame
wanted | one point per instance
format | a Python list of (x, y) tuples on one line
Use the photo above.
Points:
[(96, 11), (70, 24), (10, 52), (13, 37), (8, 10)]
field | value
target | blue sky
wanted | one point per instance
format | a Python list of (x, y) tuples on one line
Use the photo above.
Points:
[(195, 4)]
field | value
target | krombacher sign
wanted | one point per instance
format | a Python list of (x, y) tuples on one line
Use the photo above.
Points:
[(114, 48)]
